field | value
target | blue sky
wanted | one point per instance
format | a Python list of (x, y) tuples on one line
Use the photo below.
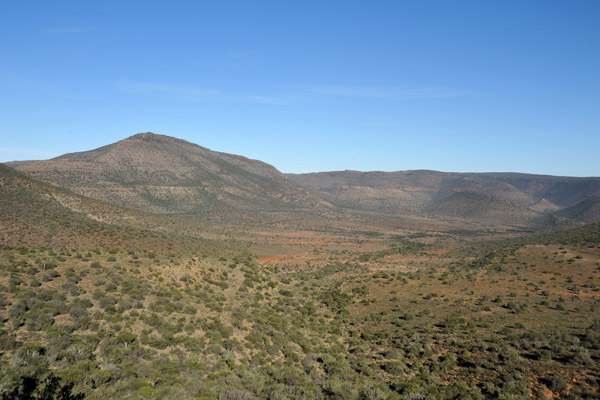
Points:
[(310, 86)]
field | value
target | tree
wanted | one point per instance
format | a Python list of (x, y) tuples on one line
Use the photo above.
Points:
[(33, 388)]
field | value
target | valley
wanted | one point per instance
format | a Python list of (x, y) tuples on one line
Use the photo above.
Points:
[(154, 268)]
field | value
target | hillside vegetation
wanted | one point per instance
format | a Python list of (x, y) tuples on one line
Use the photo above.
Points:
[(586, 211), (34, 213), (519, 322), (493, 210), (225, 279), (413, 192), (166, 175)]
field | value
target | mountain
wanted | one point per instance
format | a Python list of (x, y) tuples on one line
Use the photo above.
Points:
[(407, 192), (587, 211), (544, 206), (403, 192), (169, 176), (489, 209), (34, 213), (166, 175), (105, 302)]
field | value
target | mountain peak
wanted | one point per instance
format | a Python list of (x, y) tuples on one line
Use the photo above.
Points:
[(155, 137), (151, 137), (146, 135), (163, 174)]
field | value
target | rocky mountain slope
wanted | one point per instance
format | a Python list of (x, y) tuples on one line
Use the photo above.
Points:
[(489, 209), (413, 191), (587, 211), (34, 213), (166, 175)]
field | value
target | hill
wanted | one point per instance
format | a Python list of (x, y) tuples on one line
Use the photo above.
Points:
[(587, 211), (485, 208), (166, 175), (413, 190), (34, 213), (115, 302), (169, 176)]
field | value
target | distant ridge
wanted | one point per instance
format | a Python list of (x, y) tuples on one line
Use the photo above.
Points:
[(165, 175), (587, 211), (411, 191), (486, 208)]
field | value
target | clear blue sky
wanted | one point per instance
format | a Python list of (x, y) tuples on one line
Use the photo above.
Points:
[(310, 85)]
